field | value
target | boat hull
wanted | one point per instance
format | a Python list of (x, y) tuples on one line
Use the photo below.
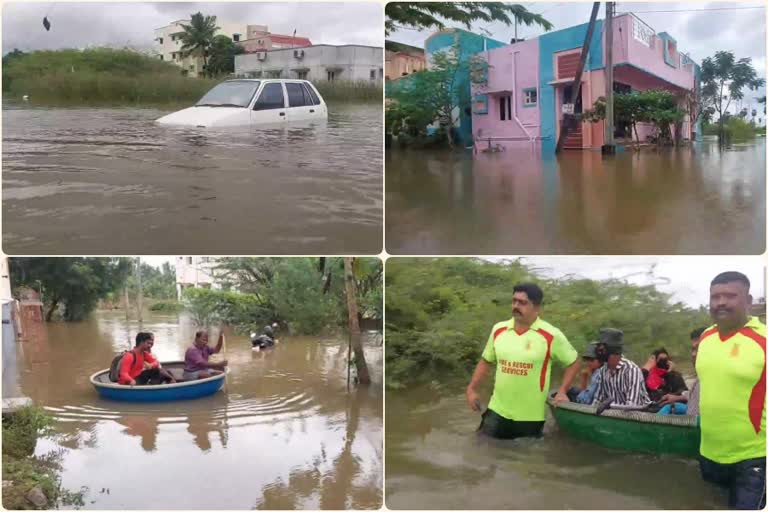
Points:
[(157, 393), (631, 431)]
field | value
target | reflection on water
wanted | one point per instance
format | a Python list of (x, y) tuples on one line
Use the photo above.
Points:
[(283, 434), (697, 200), (435, 460), (75, 179)]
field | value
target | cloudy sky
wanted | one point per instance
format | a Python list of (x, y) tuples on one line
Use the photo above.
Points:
[(699, 33), (81, 24)]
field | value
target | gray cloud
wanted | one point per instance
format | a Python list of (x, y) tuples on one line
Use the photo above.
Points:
[(79, 25)]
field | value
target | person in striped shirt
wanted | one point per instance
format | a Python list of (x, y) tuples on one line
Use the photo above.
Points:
[(621, 381)]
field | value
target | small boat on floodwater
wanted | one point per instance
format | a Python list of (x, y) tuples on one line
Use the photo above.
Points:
[(636, 431), (182, 390)]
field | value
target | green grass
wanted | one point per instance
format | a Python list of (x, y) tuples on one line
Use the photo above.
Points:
[(109, 77), (735, 129)]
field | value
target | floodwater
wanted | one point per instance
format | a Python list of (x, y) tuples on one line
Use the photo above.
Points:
[(693, 200), (110, 181), (435, 460), (284, 434)]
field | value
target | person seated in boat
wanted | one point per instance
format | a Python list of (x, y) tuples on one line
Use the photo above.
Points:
[(139, 366), (687, 401), (196, 364), (660, 378), (621, 381), (165, 374), (589, 376)]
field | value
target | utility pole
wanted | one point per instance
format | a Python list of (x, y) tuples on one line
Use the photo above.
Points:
[(568, 119), (140, 292), (609, 148)]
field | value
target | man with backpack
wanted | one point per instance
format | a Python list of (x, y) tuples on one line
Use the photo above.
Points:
[(139, 366)]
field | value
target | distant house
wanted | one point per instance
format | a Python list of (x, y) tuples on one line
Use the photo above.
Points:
[(194, 272), (251, 37), (521, 96), (316, 63), (402, 60)]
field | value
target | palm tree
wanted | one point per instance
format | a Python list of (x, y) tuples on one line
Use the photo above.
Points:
[(198, 36)]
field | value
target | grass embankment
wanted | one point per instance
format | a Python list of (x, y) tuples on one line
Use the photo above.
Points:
[(735, 129), (25, 475), (109, 77)]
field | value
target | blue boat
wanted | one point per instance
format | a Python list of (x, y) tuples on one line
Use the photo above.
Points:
[(159, 392)]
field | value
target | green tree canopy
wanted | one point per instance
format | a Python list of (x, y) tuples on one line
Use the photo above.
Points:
[(432, 15), (73, 284), (222, 56), (724, 79), (198, 36)]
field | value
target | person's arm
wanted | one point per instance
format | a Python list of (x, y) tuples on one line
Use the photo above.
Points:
[(125, 369), (564, 353), (584, 384), (636, 393), (219, 344), (482, 370), (152, 360), (568, 377)]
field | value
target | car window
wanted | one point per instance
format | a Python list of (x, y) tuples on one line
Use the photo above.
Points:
[(296, 95), (230, 94), (312, 94), (271, 97)]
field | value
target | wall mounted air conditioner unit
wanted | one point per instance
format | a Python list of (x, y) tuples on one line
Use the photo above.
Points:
[(299, 54), (261, 55)]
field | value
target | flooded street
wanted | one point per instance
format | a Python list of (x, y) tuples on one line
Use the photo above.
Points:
[(284, 432), (78, 181), (697, 200), (435, 460)]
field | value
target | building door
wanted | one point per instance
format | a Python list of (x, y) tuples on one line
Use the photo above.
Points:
[(577, 107)]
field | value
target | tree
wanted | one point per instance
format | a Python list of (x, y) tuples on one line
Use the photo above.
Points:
[(363, 376), (198, 37), (723, 80), (222, 56), (429, 15), (74, 284)]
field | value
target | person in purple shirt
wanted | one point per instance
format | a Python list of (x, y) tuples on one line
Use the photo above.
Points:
[(196, 363)]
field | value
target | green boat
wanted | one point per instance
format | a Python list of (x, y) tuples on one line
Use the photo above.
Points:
[(629, 430)]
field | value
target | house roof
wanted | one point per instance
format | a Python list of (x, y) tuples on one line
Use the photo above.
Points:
[(296, 41)]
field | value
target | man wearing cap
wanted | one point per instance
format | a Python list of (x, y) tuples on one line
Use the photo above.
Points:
[(621, 380), (522, 350), (730, 364)]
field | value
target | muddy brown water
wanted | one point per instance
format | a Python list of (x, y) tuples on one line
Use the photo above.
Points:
[(435, 460), (284, 434), (694, 200), (110, 181)]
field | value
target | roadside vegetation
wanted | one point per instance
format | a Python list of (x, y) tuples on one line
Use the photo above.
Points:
[(107, 77), (31, 482), (439, 313)]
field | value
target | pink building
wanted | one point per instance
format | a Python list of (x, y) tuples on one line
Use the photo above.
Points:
[(527, 83)]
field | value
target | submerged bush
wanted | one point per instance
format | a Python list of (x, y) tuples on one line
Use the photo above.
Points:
[(22, 429)]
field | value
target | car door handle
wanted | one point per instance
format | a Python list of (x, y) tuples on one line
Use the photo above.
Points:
[(282, 114), (311, 111)]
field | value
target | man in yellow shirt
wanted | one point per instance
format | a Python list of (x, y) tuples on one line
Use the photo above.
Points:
[(730, 364), (522, 350)]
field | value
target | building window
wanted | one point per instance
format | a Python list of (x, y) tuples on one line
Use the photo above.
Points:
[(530, 97), (301, 75), (189, 260), (505, 108), (331, 76), (236, 37), (161, 40), (373, 74), (161, 58), (381, 73)]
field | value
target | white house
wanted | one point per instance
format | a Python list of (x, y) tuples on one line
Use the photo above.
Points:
[(316, 63), (195, 272)]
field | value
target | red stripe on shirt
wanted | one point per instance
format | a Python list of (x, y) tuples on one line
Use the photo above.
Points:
[(757, 398), (708, 332), (497, 332), (549, 338)]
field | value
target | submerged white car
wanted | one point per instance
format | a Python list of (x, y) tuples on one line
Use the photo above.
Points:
[(252, 102)]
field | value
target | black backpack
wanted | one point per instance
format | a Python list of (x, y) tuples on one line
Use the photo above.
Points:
[(114, 368)]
